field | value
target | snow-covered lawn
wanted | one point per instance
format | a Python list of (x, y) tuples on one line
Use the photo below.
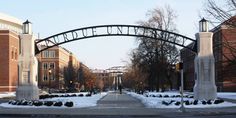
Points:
[(7, 94), (228, 95), (152, 100), (78, 101)]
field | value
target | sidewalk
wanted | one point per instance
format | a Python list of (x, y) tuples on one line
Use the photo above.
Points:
[(115, 104), (116, 100)]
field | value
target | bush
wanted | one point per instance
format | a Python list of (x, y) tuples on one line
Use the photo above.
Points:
[(191, 96), (160, 96), (209, 102), (43, 96), (37, 103), (11, 101), (48, 103), (177, 103), (88, 95), (24, 102), (204, 102), (81, 95), (195, 102), (218, 101), (166, 96), (69, 104), (58, 104), (73, 95), (177, 96), (187, 102), (14, 102), (165, 103), (30, 103)]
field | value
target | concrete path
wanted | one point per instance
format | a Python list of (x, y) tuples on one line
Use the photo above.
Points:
[(116, 100), (116, 106)]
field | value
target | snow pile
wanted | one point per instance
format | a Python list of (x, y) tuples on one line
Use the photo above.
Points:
[(228, 95), (7, 94), (170, 99), (78, 102)]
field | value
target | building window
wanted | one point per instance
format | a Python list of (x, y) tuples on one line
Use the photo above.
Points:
[(52, 54), (12, 54), (52, 65), (45, 66), (49, 54), (45, 54), (45, 77), (16, 54)]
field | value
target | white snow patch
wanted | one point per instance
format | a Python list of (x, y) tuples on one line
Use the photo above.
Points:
[(7, 94), (156, 102), (79, 102), (228, 95)]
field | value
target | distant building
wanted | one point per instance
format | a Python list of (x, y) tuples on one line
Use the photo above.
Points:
[(224, 49), (56, 60), (102, 76), (10, 28), (110, 76)]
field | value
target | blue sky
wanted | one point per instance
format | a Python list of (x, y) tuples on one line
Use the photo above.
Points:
[(55, 16)]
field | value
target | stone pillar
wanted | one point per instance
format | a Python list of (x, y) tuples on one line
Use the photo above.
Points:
[(28, 66), (204, 63)]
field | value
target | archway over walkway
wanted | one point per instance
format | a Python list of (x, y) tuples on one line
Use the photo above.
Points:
[(114, 30)]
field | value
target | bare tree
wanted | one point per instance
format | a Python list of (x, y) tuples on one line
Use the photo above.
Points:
[(153, 56), (224, 14), (221, 13)]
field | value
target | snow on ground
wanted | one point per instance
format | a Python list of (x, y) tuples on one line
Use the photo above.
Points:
[(7, 94), (228, 95), (79, 102), (156, 102)]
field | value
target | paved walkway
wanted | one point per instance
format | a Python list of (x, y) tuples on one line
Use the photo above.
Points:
[(116, 100), (117, 106)]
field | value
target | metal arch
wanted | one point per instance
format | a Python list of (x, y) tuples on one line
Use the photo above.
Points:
[(113, 30)]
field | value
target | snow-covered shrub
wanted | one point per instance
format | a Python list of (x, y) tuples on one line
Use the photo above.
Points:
[(24, 102), (187, 102), (37, 103), (165, 103), (218, 101), (11, 101), (166, 96), (69, 104), (195, 102), (209, 102), (177, 103), (44, 96), (88, 95), (81, 95), (48, 103), (73, 95), (204, 102), (58, 104)]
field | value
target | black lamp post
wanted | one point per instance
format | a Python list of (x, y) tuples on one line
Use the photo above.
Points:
[(49, 72), (203, 25), (27, 27)]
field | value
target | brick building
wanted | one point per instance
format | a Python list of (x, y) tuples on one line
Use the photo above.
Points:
[(56, 60), (10, 28), (224, 49)]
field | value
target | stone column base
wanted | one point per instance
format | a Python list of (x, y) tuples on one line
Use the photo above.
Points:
[(205, 91), (28, 92)]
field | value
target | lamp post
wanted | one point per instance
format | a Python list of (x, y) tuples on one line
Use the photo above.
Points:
[(49, 72), (182, 87), (203, 25), (27, 27)]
